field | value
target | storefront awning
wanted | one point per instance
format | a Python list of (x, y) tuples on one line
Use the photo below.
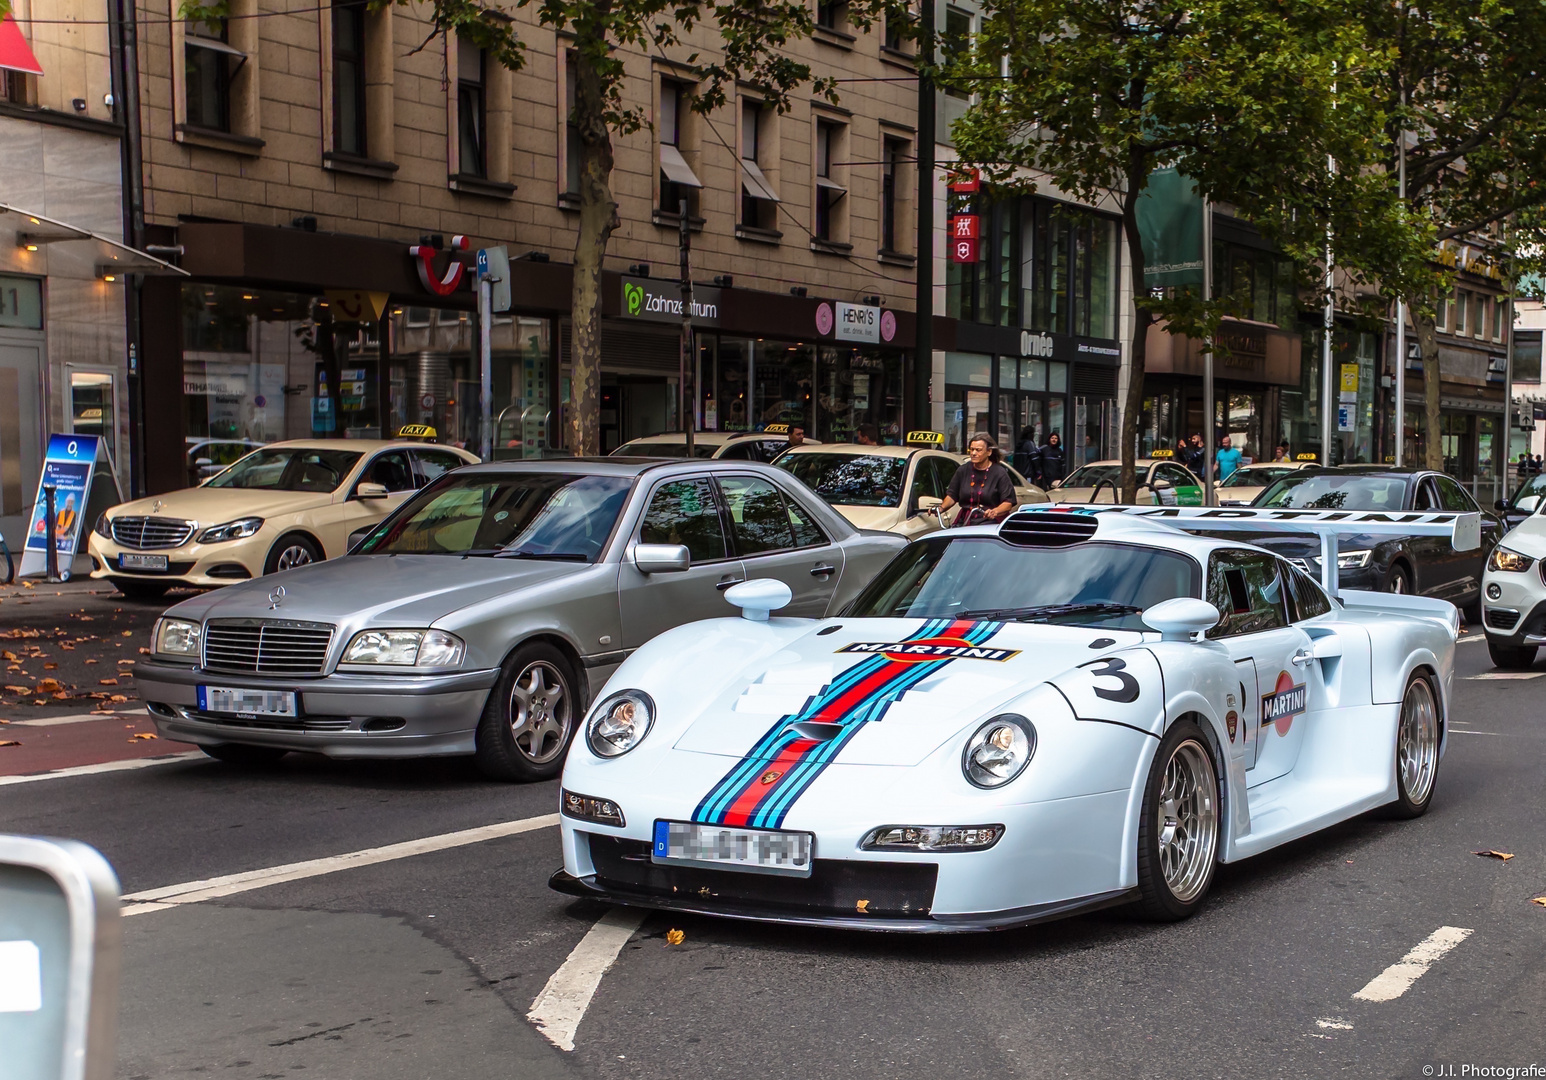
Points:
[(15, 53), (114, 257)]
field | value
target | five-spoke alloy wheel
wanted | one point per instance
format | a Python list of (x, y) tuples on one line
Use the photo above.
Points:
[(531, 716)]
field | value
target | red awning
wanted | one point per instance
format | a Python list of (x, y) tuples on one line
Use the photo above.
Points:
[(15, 53)]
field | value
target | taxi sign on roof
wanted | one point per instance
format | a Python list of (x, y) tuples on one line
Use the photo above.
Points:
[(776, 429), (925, 438), (416, 431), (1162, 453), (1304, 457)]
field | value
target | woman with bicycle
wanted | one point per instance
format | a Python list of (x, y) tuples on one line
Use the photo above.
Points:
[(981, 486)]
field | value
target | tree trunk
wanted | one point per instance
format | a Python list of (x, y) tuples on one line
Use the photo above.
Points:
[(598, 217), (1428, 347), (1132, 405)]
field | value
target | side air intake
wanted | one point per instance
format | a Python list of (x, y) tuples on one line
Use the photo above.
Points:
[(1047, 530)]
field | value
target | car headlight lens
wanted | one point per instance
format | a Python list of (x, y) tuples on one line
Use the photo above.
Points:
[(1354, 560), (102, 528), (620, 723), (999, 751), (932, 838), (231, 530), (1508, 561), (590, 808), (405, 648), (177, 637)]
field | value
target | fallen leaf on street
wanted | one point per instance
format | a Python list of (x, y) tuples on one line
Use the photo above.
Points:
[(9, 742), (62, 695), (50, 667), (18, 689), (114, 682), (863, 906), (48, 686), (118, 697), (91, 661), (8, 655), (83, 618), (1541, 900), (144, 652), (141, 735), (126, 661), (1490, 854), (675, 937)]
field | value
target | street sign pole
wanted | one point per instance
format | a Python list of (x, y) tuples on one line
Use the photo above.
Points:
[(1210, 445), (486, 368)]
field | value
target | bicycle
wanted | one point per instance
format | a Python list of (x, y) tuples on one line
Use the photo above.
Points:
[(7, 563)]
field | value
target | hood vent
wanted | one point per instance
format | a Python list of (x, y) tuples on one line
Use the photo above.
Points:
[(1047, 530)]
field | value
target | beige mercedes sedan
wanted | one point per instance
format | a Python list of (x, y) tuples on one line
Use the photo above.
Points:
[(281, 506)]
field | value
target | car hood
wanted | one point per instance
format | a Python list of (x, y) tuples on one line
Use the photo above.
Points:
[(364, 590), (913, 707), (871, 517), (211, 506), (1528, 537)]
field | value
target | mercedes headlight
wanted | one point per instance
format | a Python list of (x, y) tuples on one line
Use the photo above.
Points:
[(1509, 561), (231, 530), (176, 637), (103, 527), (620, 723), (405, 648), (1354, 560), (999, 751)]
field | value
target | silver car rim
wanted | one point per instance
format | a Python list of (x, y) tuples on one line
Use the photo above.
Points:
[(1187, 821), (1398, 583), (539, 712), (1417, 745), (292, 556)]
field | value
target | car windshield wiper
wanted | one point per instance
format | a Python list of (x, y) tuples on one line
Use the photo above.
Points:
[(566, 556), (1047, 612)]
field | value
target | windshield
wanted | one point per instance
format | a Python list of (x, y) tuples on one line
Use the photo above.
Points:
[(1096, 584), (1090, 475), (1536, 486), (850, 479), (1335, 491), (530, 515), (1255, 477), (289, 469), (646, 448)]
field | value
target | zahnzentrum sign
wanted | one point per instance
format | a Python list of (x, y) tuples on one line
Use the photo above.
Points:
[(661, 301)]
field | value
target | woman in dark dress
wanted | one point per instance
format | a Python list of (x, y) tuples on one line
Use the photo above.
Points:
[(981, 486)]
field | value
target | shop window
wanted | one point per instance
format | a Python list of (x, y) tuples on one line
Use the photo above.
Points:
[(349, 78), (93, 408), (759, 156), (471, 110), (16, 87), (956, 44), (893, 202), (831, 210), (677, 180)]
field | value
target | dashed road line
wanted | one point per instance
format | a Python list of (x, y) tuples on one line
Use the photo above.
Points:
[(78, 718), (102, 767), (1505, 675), (193, 892), (1399, 977), (561, 1006)]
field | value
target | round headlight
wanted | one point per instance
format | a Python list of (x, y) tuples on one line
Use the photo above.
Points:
[(620, 723), (999, 751)]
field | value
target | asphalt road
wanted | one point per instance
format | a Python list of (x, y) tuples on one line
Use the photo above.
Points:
[(425, 965)]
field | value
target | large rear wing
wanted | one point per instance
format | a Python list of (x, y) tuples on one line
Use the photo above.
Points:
[(1462, 530)]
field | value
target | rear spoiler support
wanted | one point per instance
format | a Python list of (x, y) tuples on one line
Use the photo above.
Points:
[(1463, 530)]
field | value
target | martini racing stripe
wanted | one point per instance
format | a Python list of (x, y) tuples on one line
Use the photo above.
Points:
[(775, 772)]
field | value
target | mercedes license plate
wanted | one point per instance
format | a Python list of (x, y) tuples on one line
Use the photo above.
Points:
[(142, 562), (762, 851), (245, 702)]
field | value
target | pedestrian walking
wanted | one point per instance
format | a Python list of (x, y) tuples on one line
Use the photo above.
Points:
[(1054, 460), (1226, 459)]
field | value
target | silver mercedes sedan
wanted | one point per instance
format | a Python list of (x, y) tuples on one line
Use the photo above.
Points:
[(484, 615)]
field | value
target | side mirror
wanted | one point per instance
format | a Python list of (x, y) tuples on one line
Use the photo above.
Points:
[(1182, 618), (370, 491), (929, 502), (1056, 484), (1528, 504), (1159, 485), (662, 558), (759, 596), (1500, 505), (202, 461)]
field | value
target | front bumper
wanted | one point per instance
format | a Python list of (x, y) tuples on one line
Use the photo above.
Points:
[(341, 715), (201, 565)]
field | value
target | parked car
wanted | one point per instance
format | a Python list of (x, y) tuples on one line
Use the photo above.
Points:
[(281, 506), (1012, 723), (1514, 591), (892, 488), (481, 618), (735, 445), (1425, 565), (1161, 481), (206, 457), (1249, 481)]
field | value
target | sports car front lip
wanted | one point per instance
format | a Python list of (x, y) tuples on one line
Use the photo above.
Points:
[(588, 888)]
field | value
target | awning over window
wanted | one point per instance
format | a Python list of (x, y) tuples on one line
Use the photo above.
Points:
[(113, 256), (755, 183), (15, 53), (676, 168), (830, 185), (195, 41)]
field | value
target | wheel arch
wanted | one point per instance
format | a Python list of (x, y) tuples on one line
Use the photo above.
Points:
[(571, 655), (294, 530)]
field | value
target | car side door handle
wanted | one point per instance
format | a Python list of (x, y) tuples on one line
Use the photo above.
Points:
[(823, 571), (727, 582), (1302, 658)]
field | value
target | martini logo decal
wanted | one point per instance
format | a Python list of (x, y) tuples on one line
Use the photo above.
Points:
[(1285, 702), (921, 650)]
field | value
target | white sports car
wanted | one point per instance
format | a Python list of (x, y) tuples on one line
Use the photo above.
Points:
[(1081, 707)]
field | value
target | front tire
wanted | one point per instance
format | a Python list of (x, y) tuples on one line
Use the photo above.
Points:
[(1178, 831), (1417, 749), (530, 718), (291, 551), (1399, 581), (242, 754), (1510, 657)]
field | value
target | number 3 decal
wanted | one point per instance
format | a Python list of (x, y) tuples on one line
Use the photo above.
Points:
[(1112, 667)]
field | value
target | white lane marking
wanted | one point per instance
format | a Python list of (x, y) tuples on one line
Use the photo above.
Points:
[(1466, 639), (1461, 731), (76, 718), (104, 767), (1506, 675), (1334, 1023), (192, 892), (561, 1006), (1399, 977)]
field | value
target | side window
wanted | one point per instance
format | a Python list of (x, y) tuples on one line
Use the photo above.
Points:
[(1175, 475), (806, 532), (1248, 592), (1309, 600), (745, 450), (391, 470), (925, 481), (944, 472), (759, 522), (1454, 496), (1426, 499), (685, 512), (433, 464)]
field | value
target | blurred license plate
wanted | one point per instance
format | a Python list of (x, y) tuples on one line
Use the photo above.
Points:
[(142, 562), (758, 850), (243, 702)]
